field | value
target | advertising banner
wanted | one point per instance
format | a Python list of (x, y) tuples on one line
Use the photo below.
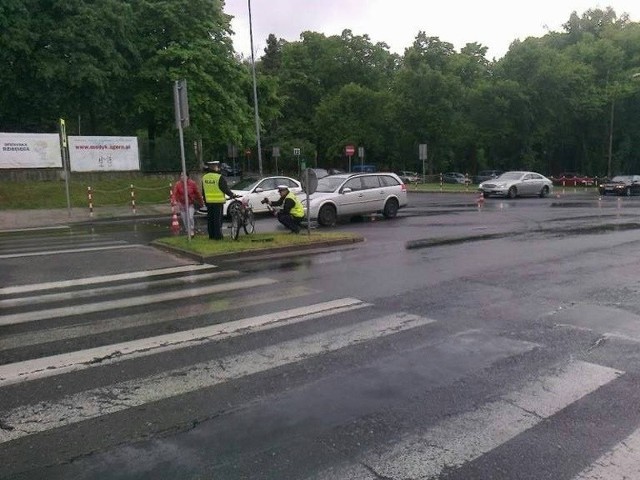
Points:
[(30, 150), (103, 154)]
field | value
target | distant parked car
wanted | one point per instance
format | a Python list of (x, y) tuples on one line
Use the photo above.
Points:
[(454, 177), (408, 177), (570, 179), (484, 175), (621, 185), (349, 195), (320, 172), (516, 184)]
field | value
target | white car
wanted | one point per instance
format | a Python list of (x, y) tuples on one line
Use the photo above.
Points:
[(255, 190), (348, 195), (517, 184)]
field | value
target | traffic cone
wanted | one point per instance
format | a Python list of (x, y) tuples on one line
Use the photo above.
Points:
[(175, 225)]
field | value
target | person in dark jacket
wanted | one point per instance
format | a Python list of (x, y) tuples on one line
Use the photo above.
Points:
[(214, 188), (292, 211)]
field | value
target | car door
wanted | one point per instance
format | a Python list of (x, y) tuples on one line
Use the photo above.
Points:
[(529, 185), (374, 194), (351, 197), (267, 188)]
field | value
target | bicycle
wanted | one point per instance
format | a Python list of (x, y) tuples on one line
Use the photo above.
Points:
[(241, 215)]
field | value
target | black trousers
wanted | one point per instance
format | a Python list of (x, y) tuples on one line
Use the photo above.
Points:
[(292, 223), (214, 220)]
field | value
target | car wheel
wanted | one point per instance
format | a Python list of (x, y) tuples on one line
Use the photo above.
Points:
[(327, 216), (544, 192), (512, 192), (390, 208)]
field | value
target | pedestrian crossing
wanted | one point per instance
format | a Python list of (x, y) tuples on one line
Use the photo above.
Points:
[(56, 241), (93, 349)]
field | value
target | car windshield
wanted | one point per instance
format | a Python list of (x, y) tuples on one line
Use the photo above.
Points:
[(510, 176), (329, 184), (246, 184)]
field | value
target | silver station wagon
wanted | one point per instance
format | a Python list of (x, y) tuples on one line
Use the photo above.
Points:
[(349, 195)]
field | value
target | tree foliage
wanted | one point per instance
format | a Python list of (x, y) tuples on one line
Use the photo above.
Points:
[(569, 100)]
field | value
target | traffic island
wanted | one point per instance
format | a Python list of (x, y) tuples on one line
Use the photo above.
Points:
[(253, 246)]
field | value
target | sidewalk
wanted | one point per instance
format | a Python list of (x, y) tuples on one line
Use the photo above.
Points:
[(25, 219)]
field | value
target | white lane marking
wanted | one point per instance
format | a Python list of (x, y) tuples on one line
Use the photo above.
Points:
[(43, 416), (85, 308), (57, 252), (32, 229), (468, 436), (620, 463), (102, 279), (83, 359), (111, 324), (94, 292)]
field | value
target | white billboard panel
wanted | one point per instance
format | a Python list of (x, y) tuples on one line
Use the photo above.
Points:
[(30, 150), (103, 154)]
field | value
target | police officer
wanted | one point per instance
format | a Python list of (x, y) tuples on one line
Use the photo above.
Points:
[(214, 188), (292, 211)]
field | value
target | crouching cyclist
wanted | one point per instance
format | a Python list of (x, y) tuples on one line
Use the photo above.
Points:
[(292, 211)]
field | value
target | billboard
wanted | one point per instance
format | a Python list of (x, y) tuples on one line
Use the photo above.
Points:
[(103, 154), (30, 150)]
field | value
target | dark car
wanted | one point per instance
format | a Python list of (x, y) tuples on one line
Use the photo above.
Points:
[(484, 175), (621, 185), (230, 170)]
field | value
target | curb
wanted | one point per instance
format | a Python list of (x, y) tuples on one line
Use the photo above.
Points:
[(263, 253)]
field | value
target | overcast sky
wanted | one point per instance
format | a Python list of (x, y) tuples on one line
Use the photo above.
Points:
[(493, 23)]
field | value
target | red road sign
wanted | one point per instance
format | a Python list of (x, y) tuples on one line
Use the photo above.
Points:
[(349, 150)]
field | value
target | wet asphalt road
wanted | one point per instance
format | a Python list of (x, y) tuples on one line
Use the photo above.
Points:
[(503, 293)]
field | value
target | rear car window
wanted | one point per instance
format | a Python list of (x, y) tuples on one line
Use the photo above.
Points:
[(371, 182), (388, 181)]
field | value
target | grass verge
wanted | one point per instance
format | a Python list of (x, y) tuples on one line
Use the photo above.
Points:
[(201, 245)]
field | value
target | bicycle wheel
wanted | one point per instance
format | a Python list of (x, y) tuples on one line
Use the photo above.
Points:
[(249, 222), (235, 226)]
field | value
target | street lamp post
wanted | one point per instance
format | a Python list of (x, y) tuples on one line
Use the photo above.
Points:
[(255, 92)]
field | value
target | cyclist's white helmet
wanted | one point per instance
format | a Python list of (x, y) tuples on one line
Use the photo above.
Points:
[(283, 187)]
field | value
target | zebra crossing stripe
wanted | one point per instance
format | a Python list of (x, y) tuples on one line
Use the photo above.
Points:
[(43, 416), (86, 308), (83, 359), (73, 250), (102, 279), (467, 436), (100, 291), (112, 324), (620, 463)]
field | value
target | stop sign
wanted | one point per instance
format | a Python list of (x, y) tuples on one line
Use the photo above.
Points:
[(349, 150)]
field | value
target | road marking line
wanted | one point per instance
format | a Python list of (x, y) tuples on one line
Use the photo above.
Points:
[(102, 279), (57, 252), (620, 463), (112, 324), (94, 292), (31, 419), (86, 308), (108, 354), (468, 436)]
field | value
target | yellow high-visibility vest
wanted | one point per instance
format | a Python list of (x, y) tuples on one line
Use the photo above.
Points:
[(211, 188)]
